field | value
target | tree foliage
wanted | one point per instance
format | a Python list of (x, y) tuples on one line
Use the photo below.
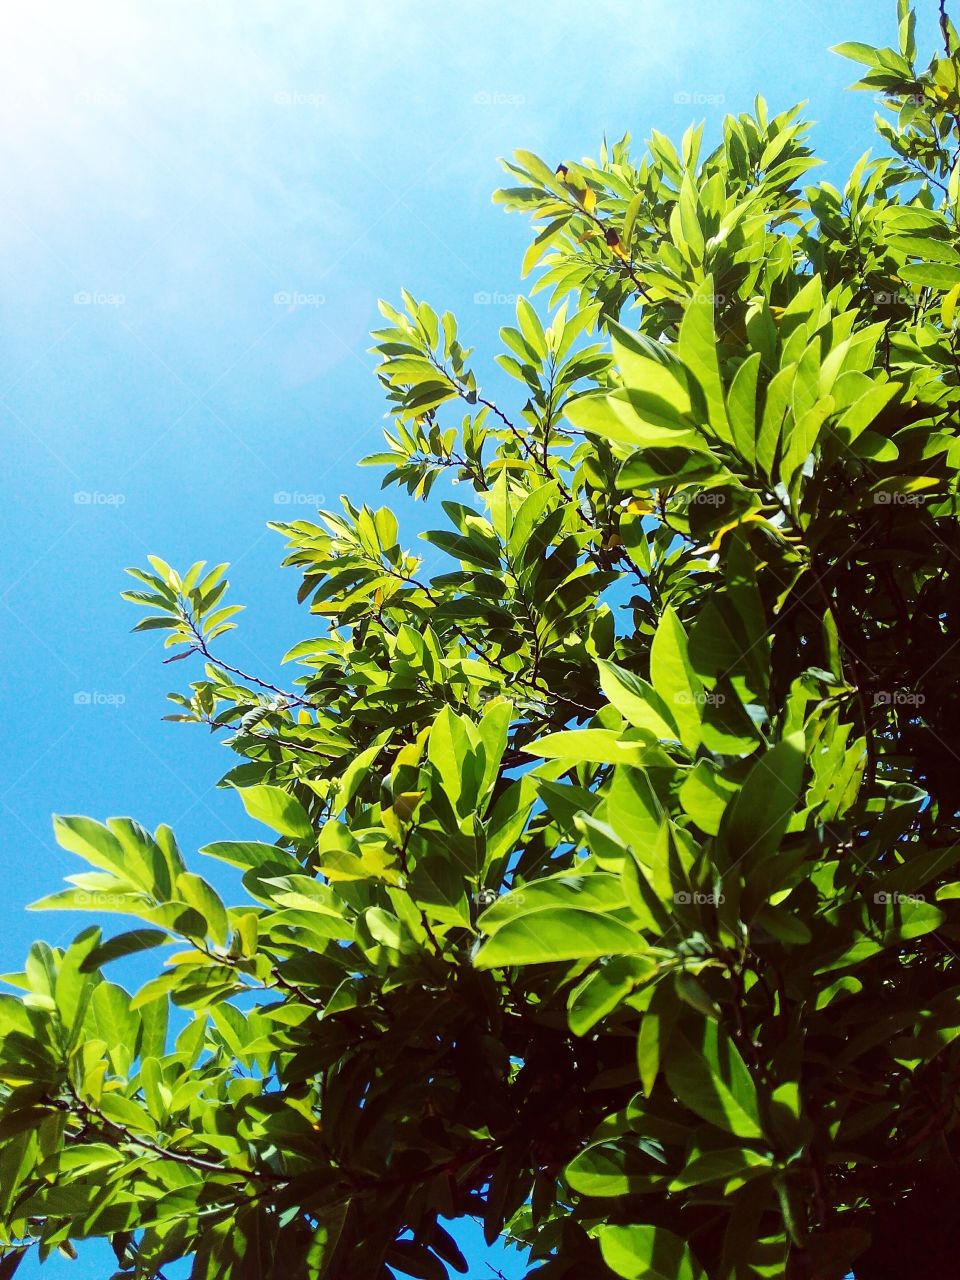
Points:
[(608, 887)]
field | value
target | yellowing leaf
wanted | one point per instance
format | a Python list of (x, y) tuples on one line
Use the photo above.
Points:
[(750, 516)]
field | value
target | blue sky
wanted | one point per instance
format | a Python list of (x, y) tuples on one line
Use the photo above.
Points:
[(200, 208)]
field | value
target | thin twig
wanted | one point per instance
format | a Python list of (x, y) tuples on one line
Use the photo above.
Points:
[(200, 1163), (200, 646)]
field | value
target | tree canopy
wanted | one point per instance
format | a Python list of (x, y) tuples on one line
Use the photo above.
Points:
[(608, 889)]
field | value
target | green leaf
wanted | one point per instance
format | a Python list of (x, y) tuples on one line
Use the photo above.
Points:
[(705, 795), (602, 991), (783, 926), (277, 809), (91, 840), (528, 517), (697, 347), (638, 702), (857, 52), (252, 855), (111, 1019), (732, 1164), (776, 412), (674, 679), (124, 944), (634, 809), (594, 891), (630, 219), (416, 1260), (449, 750), (610, 1169), (664, 467), (742, 407), (641, 419), (531, 328), (586, 746), (710, 1078), (802, 439), (197, 893), (555, 934), (656, 1030), (931, 275), (645, 1252), (754, 824)]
